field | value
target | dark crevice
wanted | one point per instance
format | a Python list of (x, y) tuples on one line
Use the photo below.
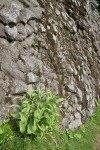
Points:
[(1, 21), (11, 24)]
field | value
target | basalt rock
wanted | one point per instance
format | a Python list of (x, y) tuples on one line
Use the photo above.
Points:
[(54, 44)]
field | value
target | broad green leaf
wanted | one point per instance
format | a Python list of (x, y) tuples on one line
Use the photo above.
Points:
[(31, 128), (25, 102), (59, 100), (49, 94), (52, 107), (29, 93), (1, 129), (42, 127), (26, 110), (22, 126), (23, 117), (15, 115), (48, 99), (6, 121), (48, 110), (37, 114)]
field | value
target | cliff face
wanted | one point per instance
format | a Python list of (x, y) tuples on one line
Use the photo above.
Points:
[(54, 44)]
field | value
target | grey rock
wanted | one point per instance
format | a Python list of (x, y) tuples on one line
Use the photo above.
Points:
[(54, 38), (34, 25), (29, 29), (38, 11), (79, 108), (21, 29), (77, 116), (54, 27), (10, 12), (19, 87), (8, 66), (35, 3), (26, 3), (20, 37), (75, 123), (57, 12), (2, 31), (2, 75), (70, 70), (79, 94), (65, 104), (42, 28), (30, 3), (30, 87), (32, 78), (27, 14), (1, 4), (71, 88), (11, 32), (64, 14), (21, 32)]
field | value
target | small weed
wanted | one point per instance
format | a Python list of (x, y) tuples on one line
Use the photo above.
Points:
[(71, 134), (34, 44)]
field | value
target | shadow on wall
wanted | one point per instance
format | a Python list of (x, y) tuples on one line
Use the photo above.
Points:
[(98, 7)]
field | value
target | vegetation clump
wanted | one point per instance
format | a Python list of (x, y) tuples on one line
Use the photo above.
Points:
[(35, 120), (37, 113)]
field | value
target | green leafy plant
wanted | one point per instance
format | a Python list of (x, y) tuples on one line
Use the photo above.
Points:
[(37, 113), (1, 128)]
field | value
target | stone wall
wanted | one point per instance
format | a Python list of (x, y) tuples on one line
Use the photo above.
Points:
[(54, 44)]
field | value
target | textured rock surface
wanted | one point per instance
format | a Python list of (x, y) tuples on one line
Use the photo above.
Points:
[(54, 44)]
